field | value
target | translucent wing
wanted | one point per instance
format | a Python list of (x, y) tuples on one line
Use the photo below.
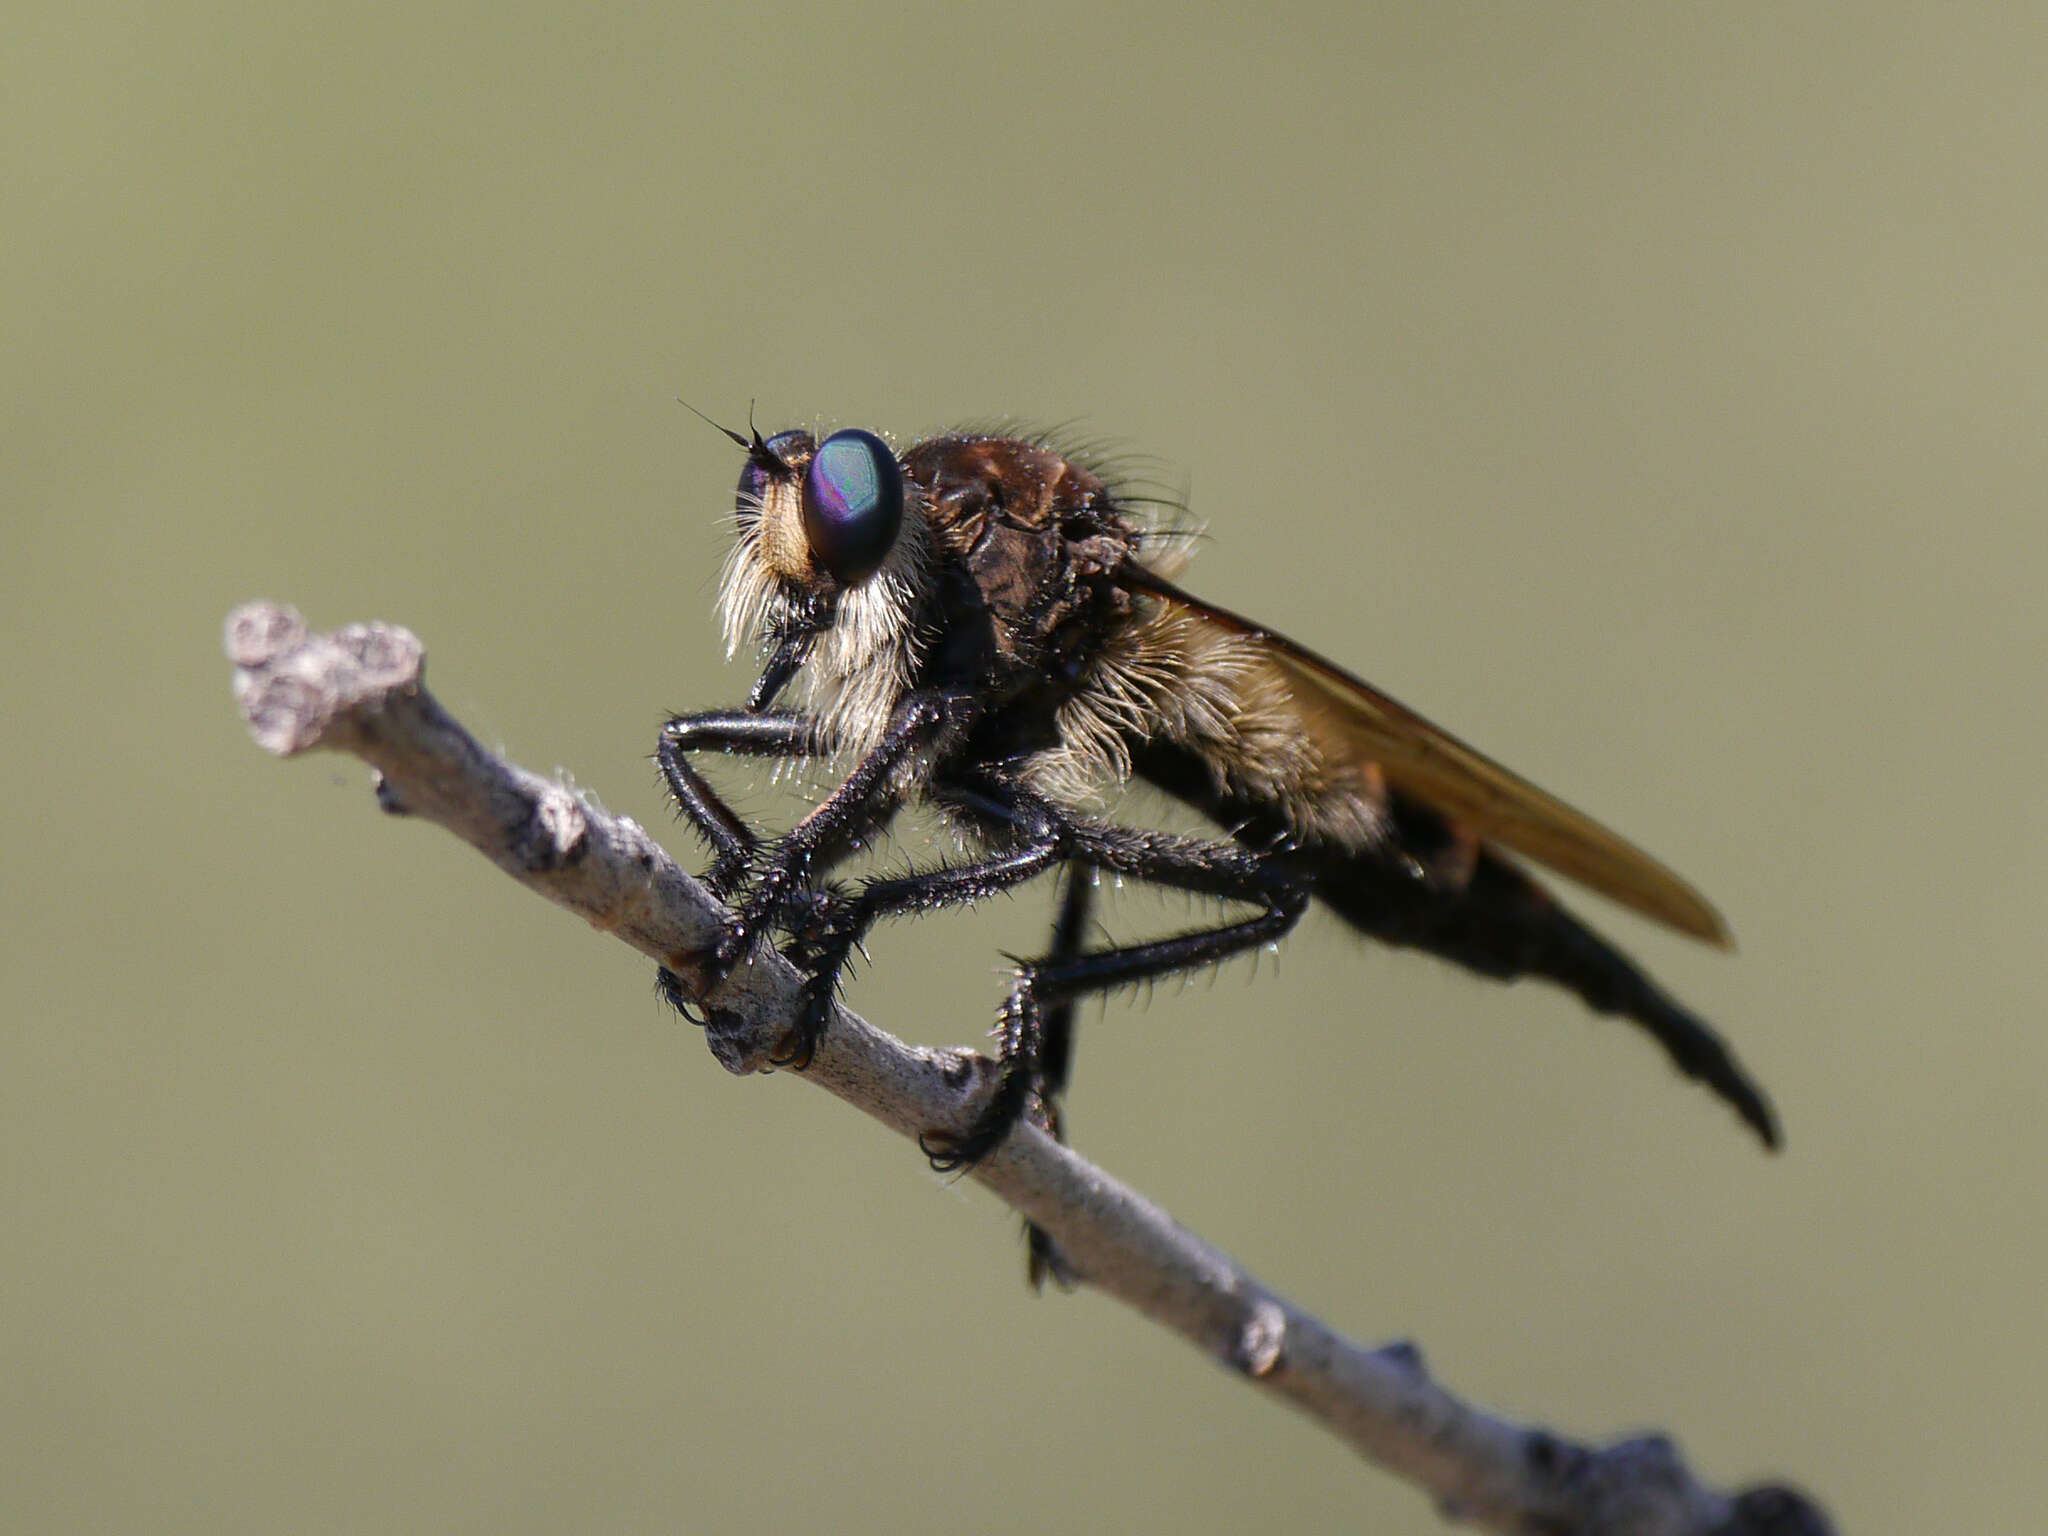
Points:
[(1434, 767)]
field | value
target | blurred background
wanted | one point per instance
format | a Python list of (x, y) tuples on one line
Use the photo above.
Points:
[(1657, 401)]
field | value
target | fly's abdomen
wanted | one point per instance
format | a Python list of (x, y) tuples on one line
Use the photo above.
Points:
[(1418, 890)]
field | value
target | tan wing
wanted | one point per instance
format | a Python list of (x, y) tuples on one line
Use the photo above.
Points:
[(1433, 766)]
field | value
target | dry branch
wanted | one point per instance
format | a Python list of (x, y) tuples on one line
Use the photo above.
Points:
[(360, 690)]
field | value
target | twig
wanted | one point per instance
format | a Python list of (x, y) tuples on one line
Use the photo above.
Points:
[(360, 690)]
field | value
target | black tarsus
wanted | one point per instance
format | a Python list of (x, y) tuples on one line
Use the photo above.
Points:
[(676, 993)]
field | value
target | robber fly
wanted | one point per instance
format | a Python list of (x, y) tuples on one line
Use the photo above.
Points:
[(988, 626)]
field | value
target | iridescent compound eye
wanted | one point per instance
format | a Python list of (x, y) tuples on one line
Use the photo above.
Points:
[(853, 504)]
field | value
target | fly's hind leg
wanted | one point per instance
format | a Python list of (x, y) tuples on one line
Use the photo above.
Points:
[(1056, 1061), (1223, 870), (1056, 1032)]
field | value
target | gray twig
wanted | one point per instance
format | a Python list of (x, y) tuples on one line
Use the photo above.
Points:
[(360, 690)]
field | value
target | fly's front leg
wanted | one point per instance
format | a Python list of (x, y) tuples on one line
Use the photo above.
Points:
[(1223, 870), (866, 799), (781, 734)]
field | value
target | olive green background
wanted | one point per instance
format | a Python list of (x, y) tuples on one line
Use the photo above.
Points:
[(1654, 395)]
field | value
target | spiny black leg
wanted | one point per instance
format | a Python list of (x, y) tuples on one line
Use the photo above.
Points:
[(831, 935), (867, 797), (1205, 868), (1023, 1017), (779, 734), (1019, 1028), (1055, 1064), (1069, 933)]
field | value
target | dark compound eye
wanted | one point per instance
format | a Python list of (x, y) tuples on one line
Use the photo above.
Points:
[(853, 504)]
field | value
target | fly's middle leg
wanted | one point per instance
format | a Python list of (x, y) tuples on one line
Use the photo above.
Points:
[(1054, 981)]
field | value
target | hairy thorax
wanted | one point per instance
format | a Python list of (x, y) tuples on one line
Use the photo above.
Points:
[(1005, 587)]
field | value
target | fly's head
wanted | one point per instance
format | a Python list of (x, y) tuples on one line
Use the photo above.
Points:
[(828, 573)]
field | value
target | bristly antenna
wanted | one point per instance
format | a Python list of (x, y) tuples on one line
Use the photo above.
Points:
[(720, 426), (758, 452)]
